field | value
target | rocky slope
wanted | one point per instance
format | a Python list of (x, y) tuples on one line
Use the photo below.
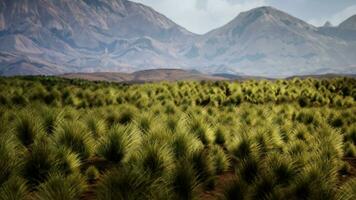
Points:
[(85, 35)]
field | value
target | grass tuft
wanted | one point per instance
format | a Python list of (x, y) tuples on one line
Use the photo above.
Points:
[(14, 189), (75, 137), (59, 187), (116, 144)]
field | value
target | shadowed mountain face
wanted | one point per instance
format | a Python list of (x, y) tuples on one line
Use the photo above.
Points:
[(62, 36)]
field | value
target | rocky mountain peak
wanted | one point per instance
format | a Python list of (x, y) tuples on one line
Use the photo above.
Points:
[(327, 24)]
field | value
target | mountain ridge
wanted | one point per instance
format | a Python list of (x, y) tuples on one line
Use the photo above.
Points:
[(54, 37)]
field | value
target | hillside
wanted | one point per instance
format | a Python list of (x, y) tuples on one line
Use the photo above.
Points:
[(144, 76)]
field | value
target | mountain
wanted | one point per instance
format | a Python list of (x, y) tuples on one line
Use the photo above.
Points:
[(268, 42), (85, 35), (345, 31), (349, 24), (71, 36)]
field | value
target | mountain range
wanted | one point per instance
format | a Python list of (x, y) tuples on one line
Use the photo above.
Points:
[(51, 37)]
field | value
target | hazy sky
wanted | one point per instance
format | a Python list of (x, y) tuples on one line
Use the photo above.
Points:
[(200, 16)]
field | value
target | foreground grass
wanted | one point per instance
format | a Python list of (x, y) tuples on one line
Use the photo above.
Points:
[(65, 139)]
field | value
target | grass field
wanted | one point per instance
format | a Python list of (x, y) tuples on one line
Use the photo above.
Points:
[(71, 139)]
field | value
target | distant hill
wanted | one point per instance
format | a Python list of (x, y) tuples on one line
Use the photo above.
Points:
[(158, 75), (51, 37), (154, 75)]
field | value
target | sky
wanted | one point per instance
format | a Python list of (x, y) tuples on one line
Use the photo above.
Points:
[(201, 16)]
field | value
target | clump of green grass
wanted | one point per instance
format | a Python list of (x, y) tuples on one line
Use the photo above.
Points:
[(184, 144), (92, 174), (314, 183), (97, 127), (201, 129), (14, 189), (145, 122), (75, 137), (172, 123), (184, 181), (282, 168), (38, 163), (51, 120), (347, 191), (263, 187), (203, 164), (220, 159), (59, 187), (350, 135), (9, 157), (248, 170), (27, 128), (220, 136), (156, 159), (127, 115), (67, 162), (306, 118), (244, 148), (350, 150), (116, 144)]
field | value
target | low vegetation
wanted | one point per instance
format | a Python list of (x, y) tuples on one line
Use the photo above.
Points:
[(73, 139)]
